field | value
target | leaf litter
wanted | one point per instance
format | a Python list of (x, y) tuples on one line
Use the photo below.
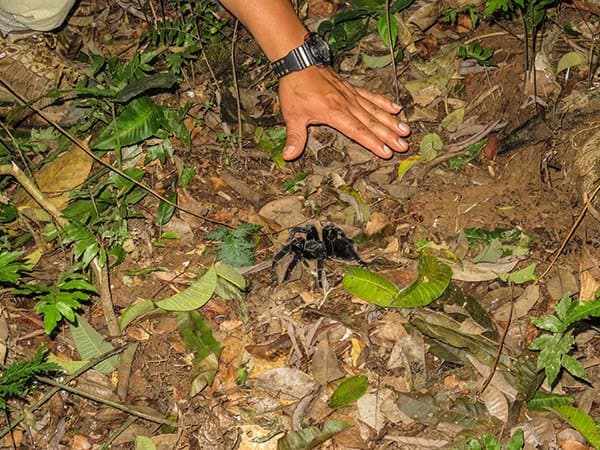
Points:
[(291, 366)]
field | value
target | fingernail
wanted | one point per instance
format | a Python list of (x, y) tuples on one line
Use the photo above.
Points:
[(289, 151), (403, 144), (396, 106), (386, 151), (404, 127)]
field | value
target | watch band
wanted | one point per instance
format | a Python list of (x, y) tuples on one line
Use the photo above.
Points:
[(313, 51), (298, 59)]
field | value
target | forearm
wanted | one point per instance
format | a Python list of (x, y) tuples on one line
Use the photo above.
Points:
[(273, 23)]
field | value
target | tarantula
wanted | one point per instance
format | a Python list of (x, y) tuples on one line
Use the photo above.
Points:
[(334, 245)]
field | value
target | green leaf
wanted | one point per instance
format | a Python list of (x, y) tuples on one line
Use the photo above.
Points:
[(310, 437), (165, 211), (452, 121), (582, 423), (434, 277), (520, 276), (349, 390), (90, 344), (134, 311), (582, 311), (230, 273), (8, 213), (144, 443), (517, 441), (569, 60), (9, 268), (544, 401), (382, 30), (376, 62), (369, 286), (197, 337), (574, 367), (430, 146), (195, 296), (139, 120), (163, 81), (490, 442)]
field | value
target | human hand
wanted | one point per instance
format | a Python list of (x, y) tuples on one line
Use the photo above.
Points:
[(319, 96)]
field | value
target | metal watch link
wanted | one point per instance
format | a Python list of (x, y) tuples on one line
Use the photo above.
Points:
[(314, 51)]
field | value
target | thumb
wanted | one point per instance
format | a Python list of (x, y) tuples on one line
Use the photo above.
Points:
[(295, 141)]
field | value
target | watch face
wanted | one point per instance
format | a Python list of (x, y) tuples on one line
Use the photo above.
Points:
[(319, 49)]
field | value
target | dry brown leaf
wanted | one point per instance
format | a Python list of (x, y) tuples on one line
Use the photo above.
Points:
[(283, 212), (325, 366)]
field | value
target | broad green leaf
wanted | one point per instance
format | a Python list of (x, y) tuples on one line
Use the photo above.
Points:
[(582, 423), (490, 442), (349, 390), (144, 443), (310, 437), (164, 80), (574, 367), (230, 273), (70, 367), (369, 286), (430, 146), (569, 60), (544, 401), (197, 337), (165, 211), (90, 344), (434, 277), (453, 120), (382, 30), (195, 296), (139, 120), (582, 311), (520, 276), (376, 62), (134, 311), (517, 441)]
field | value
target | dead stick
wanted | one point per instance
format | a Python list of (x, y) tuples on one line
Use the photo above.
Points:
[(32, 189), (118, 405)]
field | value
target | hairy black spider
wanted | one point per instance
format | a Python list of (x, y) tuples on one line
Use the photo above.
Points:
[(334, 245)]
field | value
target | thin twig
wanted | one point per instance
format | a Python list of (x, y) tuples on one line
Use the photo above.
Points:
[(32, 189), (488, 380), (103, 282), (236, 85), (388, 20), (117, 405), (571, 232)]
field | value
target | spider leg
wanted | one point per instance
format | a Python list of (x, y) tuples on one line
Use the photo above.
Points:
[(279, 256), (320, 272), (293, 263)]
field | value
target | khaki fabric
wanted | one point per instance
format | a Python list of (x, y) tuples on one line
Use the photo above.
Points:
[(41, 15)]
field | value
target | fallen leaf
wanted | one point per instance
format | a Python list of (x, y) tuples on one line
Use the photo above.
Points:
[(325, 366)]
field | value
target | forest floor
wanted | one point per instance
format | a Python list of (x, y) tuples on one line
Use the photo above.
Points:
[(258, 366)]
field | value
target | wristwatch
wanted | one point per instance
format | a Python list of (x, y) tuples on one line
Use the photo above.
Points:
[(314, 51)]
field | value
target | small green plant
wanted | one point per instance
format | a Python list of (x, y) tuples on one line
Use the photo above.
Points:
[(555, 345), (450, 16), (346, 29), (98, 218), (11, 266), (59, 300), (291, 186), (475, 51), (533, 14), (490, 442), (16, 380), (234, 246)]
